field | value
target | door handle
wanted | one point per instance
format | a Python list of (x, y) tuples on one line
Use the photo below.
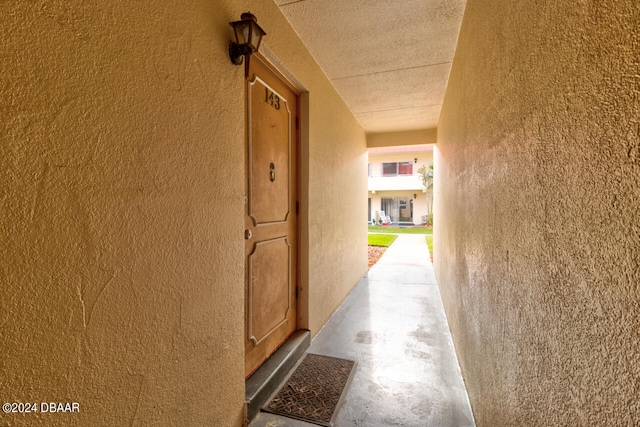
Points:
[(247, 234)]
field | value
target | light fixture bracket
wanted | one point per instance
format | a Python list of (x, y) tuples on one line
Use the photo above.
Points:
[(237, 52)]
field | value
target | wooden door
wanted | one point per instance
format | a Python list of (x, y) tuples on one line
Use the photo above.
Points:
[(271, 218)]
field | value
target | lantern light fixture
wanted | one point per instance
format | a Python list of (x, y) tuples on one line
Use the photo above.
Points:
[(415, 160), (248, 36)]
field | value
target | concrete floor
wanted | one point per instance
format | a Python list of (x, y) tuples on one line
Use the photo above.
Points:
[(393, 324)]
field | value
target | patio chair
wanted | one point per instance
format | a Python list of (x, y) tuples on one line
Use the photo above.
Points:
[(386, 220)]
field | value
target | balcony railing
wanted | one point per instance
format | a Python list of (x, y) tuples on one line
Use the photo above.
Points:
[(400, 182)]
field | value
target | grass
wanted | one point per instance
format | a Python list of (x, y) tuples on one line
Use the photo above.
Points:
[(430, 245), (395, 229), (384, 240)]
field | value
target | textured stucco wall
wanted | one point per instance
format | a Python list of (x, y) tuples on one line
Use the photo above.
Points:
[(410, 137), (121, 208), (122, 184), (537, 211)]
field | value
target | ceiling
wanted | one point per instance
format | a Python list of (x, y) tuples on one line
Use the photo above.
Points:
[(388, 59)]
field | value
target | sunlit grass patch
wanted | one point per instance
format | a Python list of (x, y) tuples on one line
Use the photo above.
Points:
[(429, 239), (384, 240)]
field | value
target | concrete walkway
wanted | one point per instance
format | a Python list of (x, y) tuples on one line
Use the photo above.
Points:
[(393, 324)]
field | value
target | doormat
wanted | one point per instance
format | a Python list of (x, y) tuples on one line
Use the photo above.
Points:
[(314, 391)]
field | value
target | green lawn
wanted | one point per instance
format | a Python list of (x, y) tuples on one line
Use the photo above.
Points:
[(381, 239), (392, 229), (430, 245)]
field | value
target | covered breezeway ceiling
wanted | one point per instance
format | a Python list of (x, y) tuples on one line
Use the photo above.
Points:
[(388, 59)]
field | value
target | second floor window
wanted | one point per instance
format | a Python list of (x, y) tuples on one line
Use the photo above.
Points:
[(394, 169), (405, 168)]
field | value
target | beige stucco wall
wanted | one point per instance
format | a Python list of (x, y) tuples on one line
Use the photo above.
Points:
[(537, 235), (121, 214), (409, 137)]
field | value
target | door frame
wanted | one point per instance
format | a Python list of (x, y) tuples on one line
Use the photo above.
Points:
[(300, 180)]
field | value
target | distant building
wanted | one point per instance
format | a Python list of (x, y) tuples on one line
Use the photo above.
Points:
[(395, 187)]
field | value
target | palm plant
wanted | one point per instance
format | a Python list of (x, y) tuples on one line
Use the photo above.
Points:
[(426, 176)]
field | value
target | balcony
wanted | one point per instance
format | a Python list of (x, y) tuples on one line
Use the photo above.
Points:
[(395, 183)]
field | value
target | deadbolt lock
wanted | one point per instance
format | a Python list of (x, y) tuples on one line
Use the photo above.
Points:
[(247, 234)]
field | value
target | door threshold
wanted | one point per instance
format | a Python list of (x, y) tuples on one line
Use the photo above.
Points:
[(266, 379)]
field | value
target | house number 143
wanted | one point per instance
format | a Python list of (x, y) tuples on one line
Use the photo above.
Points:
[(272, 99)]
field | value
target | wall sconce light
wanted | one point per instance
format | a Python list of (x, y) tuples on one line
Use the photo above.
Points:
[(248, 36), (415, 196), (415, 160)]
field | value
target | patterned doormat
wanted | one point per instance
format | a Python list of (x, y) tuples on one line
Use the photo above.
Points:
[(314, 391)]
